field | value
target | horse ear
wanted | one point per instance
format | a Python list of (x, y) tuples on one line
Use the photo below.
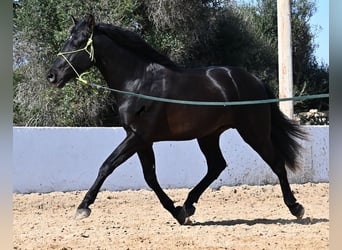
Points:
[(91, 22), (74, 20)]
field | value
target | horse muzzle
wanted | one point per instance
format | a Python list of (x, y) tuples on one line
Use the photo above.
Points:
[(52, 77)]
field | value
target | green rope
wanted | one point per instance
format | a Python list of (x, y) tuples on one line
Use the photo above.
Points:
[(203, 103), (167, 100)]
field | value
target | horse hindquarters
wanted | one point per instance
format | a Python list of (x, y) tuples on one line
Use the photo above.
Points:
[(270, 134)]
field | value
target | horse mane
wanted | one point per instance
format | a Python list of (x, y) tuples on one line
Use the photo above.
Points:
[(135, 44)]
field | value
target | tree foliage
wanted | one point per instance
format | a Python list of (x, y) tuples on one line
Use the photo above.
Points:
[(309, 76), (193, 33), (40, 29)]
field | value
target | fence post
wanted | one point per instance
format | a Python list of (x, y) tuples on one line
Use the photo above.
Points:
[(285, 56)]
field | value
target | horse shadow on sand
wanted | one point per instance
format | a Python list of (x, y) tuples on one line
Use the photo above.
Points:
[(305, 221)]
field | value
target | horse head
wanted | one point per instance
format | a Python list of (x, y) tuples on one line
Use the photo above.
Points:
[(77, 54)]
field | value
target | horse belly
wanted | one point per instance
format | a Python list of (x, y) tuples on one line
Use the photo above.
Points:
[(189, 122)]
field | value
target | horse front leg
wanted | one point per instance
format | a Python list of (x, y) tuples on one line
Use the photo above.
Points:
[(125, 150)]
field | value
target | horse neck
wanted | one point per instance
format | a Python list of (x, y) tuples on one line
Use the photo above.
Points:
[(117, 64)]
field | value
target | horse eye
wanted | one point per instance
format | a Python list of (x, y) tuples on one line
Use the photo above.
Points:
[(75, 40)]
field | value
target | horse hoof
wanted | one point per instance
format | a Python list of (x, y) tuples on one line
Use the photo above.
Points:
[(180, 215), (190, 210), (300, 213), (297, 210), (82, 213), (187, 221)]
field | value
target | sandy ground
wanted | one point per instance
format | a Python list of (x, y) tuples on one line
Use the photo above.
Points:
[(243, 217)]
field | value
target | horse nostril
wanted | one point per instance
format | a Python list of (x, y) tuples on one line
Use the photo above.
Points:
[(51, 77)]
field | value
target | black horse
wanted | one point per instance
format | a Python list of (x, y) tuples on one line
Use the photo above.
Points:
[(129, 64)]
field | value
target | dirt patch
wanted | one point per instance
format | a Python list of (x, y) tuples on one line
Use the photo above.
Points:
[(242, 217)]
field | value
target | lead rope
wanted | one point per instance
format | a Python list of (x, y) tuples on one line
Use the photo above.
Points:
[(210, 103), (160, 99)]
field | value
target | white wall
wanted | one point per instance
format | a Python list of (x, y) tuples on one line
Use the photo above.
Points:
[(64, 159)]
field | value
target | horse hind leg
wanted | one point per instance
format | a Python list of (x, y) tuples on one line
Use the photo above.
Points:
[(216, 164), (146, 156), (295, 208), (263, 145)]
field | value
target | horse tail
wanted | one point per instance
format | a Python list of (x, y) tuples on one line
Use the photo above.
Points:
[(284, 133)]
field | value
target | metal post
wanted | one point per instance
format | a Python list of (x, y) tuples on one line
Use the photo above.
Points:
[(285, 56)]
